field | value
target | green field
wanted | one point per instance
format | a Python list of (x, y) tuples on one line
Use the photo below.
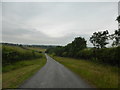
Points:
[(37, 49), (13, 78), (100, 76)]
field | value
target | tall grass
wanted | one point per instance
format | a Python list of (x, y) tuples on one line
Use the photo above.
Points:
[(101, 76), (13, 77)]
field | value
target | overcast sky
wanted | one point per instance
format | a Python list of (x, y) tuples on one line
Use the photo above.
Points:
[(56, 23)]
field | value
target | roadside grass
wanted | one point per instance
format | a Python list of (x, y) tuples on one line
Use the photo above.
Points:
[(19, 64), (98, 75), (17, 73), (1, 77), (0, 66), (0, 45)]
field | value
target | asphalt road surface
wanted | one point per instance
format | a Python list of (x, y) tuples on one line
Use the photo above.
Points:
[(54, 75)]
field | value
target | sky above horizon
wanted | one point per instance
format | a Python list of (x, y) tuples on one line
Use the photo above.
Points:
[(51, 23)]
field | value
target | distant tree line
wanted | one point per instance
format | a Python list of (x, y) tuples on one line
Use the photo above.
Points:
[(26, 45), (78, 48)]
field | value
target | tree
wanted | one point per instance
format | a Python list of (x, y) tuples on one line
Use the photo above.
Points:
[(116, 36), (118, 19), (70, 49), (99, 39), (78, 44), (59, 50)]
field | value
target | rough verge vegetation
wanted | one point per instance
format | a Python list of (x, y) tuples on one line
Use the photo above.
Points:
[(98, 75)]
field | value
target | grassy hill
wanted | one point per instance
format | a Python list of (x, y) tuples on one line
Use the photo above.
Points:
[(18, 64)]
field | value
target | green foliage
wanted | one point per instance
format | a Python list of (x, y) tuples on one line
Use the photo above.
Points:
[(118, 19), (105, 55), (116, 38), (15, 74), (100, 54), (85, 54), (70, 49), (102, 76), (77, 49), (78, 44), (109, 55), (50, 50), (20, 64), (99, 39), (12, 54)]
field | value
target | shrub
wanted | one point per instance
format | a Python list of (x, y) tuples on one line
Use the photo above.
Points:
[(11, 54), (104, 55), (109, 55)]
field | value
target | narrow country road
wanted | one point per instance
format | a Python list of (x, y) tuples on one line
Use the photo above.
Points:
[(54, 75)]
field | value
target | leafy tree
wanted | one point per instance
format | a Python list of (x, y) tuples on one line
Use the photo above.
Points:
[(79, 43), (73, 48), (70, 49), (59, 50), (116, 36), (118, 19), (99, 39)]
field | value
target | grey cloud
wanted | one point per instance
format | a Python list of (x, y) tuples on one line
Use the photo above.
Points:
[(55, 23), (36, 37)]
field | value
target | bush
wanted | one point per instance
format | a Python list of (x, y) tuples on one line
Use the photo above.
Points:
[(11, 54), (105, 55), (85, 54), (109, 55)]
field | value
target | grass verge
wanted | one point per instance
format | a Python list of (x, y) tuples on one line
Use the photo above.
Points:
[(100, 76), (16, 75)]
